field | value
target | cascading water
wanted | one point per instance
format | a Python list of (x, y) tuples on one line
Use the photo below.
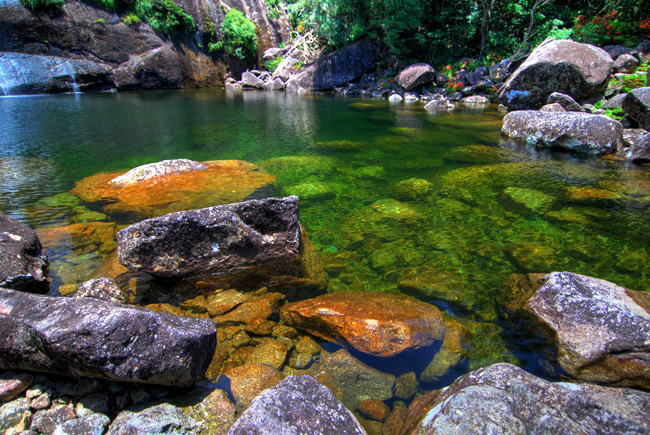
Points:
[(69, 70), (4, 85)]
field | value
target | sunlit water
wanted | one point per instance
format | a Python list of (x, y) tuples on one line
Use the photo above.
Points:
[(393, 198)]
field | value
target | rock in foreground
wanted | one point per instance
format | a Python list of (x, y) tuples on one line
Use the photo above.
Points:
[(602, 330), (297, 405), (23, 263), (568, 131), (637, 105), (158, 169), (504, 399), (371, 322), (91, 338), (565, 66), (214, 239)]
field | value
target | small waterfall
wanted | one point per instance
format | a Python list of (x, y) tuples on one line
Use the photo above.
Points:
[(4, 88), (69, 70)]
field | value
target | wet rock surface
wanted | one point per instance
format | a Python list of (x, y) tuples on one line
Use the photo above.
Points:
[(159, 169), (416, 75), (88, 337), (151, 420), (601, 330), (567, 131), (571, 68), (159, 68), (214, 239), (170, 190), (373, 323), (298, 405), (103, 289), (507, 399), (637, 105), (23, 262)]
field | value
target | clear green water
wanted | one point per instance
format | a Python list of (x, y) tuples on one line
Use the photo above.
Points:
[(469, 216)]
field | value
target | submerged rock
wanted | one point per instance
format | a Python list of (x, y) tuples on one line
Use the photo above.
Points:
[(89, 337), (297, 405), (375, 323), (565, 66), (103, 289), (601, 329), (23, 263), (505, 399), (568, 131), (247, 381), (223, 181), (158, 169), (214, 239)]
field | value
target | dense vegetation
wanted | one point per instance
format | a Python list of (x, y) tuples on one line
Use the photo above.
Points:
[(441, 31), (237, 36)]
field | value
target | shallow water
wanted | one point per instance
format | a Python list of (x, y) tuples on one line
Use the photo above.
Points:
[(393, 198)]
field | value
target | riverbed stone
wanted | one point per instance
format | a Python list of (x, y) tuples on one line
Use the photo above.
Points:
[(637, 105), (568, 131), (23, 262), (374, 323), (601, 329), (151, 171), (249, 380), (92, 338), (262, 307), (568, 103), (46, 421), (416, 75), (505, 399), (578, 70), (532, 199), (12, 383), (297, 405), (374, 409), (356, 380), (225, 301), (223, 181), (214, 239), (640, 151), (104, 289), (153, 420), (15, 416), (92, 424), (215, 412)]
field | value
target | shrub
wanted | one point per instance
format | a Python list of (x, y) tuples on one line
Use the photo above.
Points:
[(43, 4), (611, 28), (272, 65), (237, 35), (164, 16), (108, 5), (131, 20)]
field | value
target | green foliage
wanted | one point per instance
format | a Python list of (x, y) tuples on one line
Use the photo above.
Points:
[(43, 4), (131, 20), (164, 16), (100, 21), (272, 65), (108, 5), (238, 36)]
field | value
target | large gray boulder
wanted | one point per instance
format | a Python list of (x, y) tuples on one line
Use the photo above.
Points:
[(568, 131), (163, 168), (91, 338), (565, 66), (159, 68), (25, 74), (505, 399), (639, 152), (637, 105), (337, 68), (162, 418), (416, 75), (23, 263), (299, 406), (215, 239), (601, 330)]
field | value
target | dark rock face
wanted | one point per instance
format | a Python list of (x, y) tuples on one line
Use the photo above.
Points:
[(88, 337), (23, 263), (571, 68), (601, 329), (416, 75), (24, 74), (637, 105), (156, 69), (568, 131), (213, 239), (505, 399), (337, 68), (297, 405), (640, 151)]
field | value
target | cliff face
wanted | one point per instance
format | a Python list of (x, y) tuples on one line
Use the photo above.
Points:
[(144, 58)]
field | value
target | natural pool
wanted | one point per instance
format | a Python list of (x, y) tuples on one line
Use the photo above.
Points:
[(393, 198)]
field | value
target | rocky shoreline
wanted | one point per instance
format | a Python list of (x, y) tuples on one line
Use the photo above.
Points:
[(253, 353)]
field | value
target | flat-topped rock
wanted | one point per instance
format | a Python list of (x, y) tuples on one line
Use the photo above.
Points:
[(158, 169), (505, 399), (92, 338), (213, 239), (375, 323), (297, 405), (221, 182), (23, 263), (568, 131), (602, 330)]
